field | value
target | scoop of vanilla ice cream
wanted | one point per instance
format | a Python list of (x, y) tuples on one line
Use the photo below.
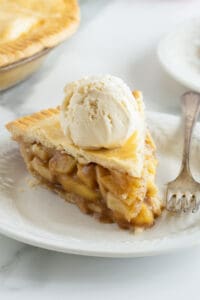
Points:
[(99, 112)]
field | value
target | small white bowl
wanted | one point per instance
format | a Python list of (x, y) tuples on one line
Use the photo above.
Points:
[(179, 53)]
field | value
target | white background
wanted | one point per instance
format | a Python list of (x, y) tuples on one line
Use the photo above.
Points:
[(117, 37)]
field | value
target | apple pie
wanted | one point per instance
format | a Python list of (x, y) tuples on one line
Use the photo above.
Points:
[(29, 26), (115, 185)]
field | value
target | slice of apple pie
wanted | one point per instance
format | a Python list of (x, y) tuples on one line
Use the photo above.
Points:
[(114, 185)]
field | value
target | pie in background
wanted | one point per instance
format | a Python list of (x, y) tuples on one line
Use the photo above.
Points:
[(115, 184), (30, 26)]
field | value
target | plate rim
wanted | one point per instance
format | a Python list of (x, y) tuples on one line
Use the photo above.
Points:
[(25, 238)]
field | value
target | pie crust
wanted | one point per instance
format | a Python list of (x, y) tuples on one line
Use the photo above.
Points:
[(29, 26)]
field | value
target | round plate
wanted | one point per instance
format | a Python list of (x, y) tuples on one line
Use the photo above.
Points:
[(179, 53), (38, 217)]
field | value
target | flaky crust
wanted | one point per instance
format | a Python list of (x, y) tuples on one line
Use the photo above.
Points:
[(42, 37), (44, 127)]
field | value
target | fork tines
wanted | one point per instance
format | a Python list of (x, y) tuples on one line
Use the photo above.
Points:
[(182, 201)]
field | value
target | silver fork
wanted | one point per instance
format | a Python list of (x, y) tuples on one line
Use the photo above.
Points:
[(182, 194)]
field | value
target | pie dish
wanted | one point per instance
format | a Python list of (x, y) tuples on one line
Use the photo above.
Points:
[(106, 183), (28, 30), (20, 70)]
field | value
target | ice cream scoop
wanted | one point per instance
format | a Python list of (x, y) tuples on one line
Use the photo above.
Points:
[(99, 112)]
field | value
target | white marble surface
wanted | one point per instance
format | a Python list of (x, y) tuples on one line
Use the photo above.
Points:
[(117, 37)]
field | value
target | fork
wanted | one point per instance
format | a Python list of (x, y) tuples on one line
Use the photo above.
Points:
[(182, 194)]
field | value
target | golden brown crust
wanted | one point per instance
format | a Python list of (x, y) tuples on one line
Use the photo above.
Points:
[(44, 127), (42, 37), (21, 125)]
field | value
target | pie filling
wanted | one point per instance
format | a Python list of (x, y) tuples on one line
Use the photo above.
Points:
[(108, 194)]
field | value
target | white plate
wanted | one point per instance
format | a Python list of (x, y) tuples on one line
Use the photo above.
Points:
[(38, 217), (179, 53)]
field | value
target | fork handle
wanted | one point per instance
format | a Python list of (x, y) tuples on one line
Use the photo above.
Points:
[(190, 102)]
